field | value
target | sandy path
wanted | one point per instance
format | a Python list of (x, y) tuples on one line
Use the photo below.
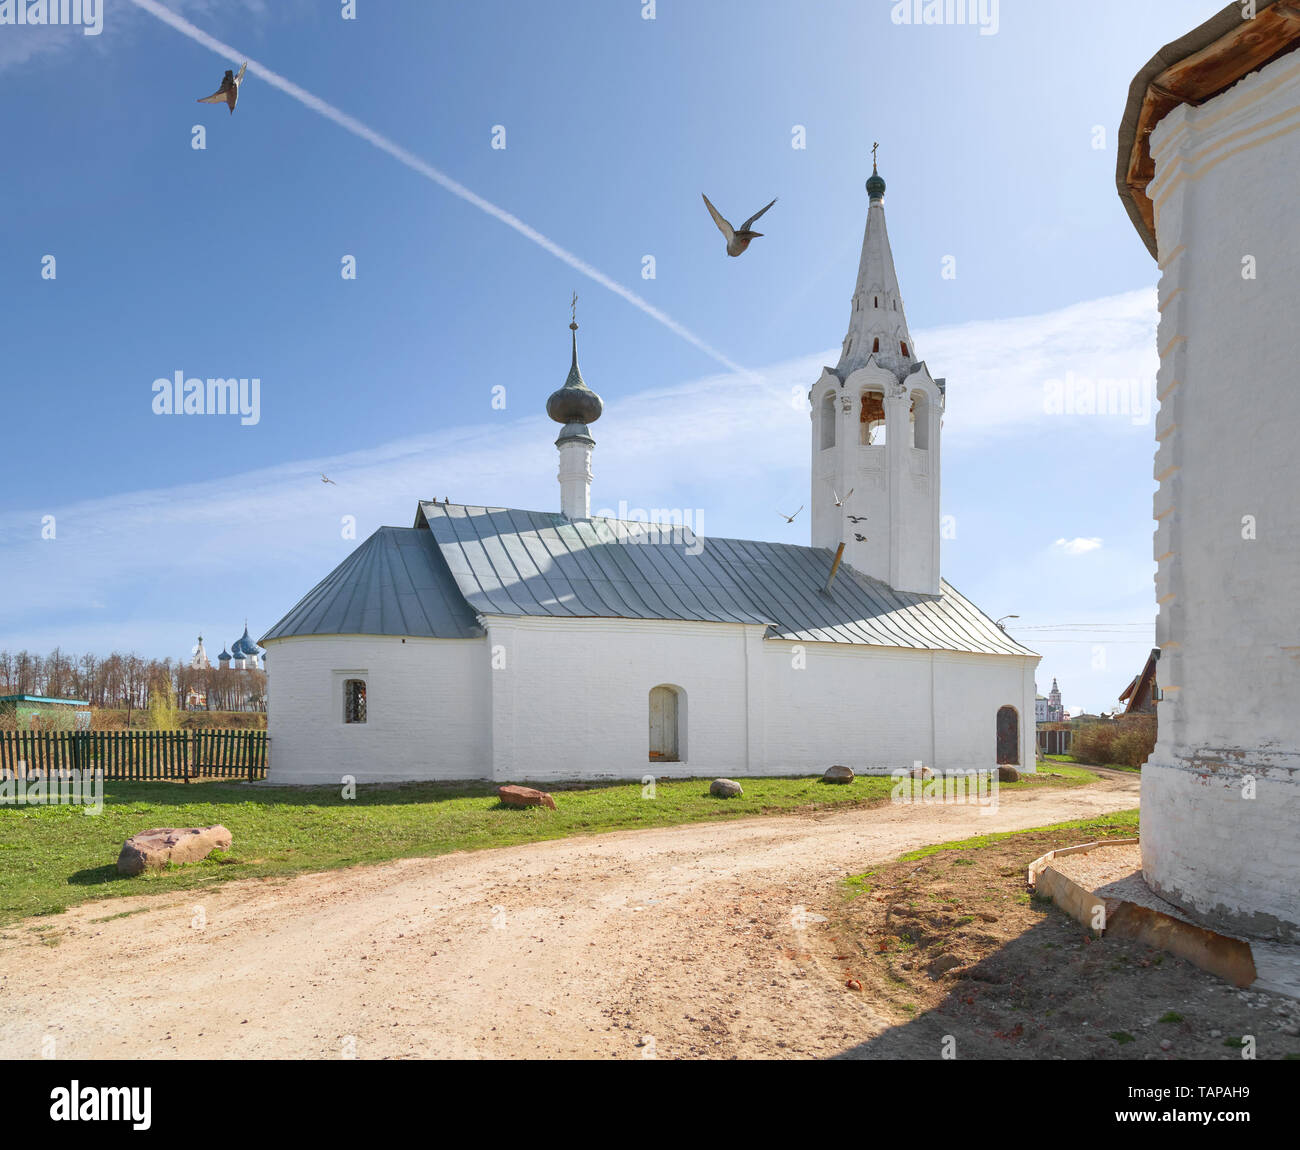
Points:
[(683, 939)]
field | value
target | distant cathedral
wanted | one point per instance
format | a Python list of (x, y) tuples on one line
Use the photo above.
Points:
[(244, 655)]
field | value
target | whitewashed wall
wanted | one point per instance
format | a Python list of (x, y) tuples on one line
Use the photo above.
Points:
[(1225, 193), (426, 700), (751, 706), (564, 699)]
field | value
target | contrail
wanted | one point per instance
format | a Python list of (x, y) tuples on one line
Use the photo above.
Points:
[(384, 144)]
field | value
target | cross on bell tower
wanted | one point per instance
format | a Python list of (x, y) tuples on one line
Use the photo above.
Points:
[(876, 421)]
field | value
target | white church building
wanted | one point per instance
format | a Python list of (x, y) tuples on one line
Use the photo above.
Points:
[(486, 642)]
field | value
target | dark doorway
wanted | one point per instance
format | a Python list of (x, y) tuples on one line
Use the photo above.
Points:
[(1008, 735)]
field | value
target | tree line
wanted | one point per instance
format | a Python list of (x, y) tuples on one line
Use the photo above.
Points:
[(128, 681)]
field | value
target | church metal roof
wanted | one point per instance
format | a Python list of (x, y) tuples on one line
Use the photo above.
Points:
[(540, 564), (459, 563), (395, 583)]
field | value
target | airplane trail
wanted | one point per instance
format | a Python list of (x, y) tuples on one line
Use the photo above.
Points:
[(429, 172)]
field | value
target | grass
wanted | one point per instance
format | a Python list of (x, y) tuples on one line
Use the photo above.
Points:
[(1060, 759), (1127, 820), (58, 856)]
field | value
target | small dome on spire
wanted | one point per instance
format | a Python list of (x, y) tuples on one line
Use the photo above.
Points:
[(875, 185), (575, 402)]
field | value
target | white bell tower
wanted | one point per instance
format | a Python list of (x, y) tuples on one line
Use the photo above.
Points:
[(876, 422)]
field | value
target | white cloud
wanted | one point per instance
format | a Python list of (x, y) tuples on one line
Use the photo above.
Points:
[(1078, 546), (156, 565)]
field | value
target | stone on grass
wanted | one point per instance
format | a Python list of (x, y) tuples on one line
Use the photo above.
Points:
[(525, 797), (1008, 774), (838, 774), (150, 850), (726, 788)]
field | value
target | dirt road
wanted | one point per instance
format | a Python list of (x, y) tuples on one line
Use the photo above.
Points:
[(679, 942)]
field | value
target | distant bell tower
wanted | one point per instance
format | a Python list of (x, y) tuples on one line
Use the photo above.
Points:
[(876, 420)]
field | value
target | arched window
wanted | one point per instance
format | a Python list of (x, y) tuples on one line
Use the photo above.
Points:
[(354, 700), (920, 415), (828, 421), (1008, 735), (871, 420), (667, 724), (875, 344), (875, 301), (903, 346)]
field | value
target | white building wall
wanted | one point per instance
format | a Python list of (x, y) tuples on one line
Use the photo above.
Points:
[(426, 703), (1226, 461), (565, 699)]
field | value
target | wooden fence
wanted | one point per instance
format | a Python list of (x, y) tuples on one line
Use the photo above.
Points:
[(138, 756)]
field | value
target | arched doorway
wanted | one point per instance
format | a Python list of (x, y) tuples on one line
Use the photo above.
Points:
[(1008, 736), (665, 725)]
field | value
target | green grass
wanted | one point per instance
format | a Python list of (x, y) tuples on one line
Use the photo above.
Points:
[(58, 856), (1125, 820), (1057, 759)]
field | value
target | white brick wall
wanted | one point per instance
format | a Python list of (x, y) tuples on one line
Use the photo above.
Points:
[(426, 701), (561, 699), (1224, 190)]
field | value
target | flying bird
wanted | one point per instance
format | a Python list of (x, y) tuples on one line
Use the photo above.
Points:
[(228, 93), (859, 537), (789, 518), (840, 502), (737, 238), (326, 479), (856, 518)]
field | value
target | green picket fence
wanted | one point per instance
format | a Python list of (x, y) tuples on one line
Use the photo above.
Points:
[(136, 755)]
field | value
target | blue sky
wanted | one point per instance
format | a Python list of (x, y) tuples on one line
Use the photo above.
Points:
[(226, 262)]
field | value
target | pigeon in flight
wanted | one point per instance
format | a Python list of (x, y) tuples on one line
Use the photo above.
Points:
[(228, 93), (789, 518), (326, 479), (737, 238), (859, 537), (840, 502), (856, 518)]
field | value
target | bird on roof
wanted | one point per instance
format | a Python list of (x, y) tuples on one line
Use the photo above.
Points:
[(738, 239), (228, 93), (838, 501), (326, 479), (789, 518)]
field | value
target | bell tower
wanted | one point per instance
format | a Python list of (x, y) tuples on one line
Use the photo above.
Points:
[(876, 423)]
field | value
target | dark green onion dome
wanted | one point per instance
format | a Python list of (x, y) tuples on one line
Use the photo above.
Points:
[(575, 402), (875, 185)]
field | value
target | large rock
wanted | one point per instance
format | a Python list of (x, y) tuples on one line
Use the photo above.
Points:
[(838, 774), (1008, 774), (525, 797), (150, 850), (726, 788)]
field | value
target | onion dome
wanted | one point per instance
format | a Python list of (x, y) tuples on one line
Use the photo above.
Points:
[(575, 405), (224, 657), (875, 184), (244, 646)]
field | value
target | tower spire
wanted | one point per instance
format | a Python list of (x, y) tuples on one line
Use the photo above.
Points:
[(877, 322), (575, 405)]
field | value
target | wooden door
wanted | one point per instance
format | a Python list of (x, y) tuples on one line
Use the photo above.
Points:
[(663, 725)]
